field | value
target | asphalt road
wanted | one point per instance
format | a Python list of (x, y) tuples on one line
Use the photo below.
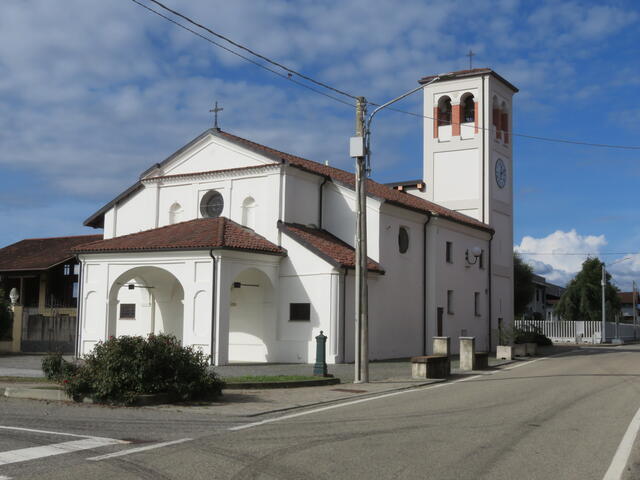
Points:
[(554, 418)]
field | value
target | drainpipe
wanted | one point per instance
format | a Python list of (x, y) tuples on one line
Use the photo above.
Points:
[(343, 326), (213, 305), (424, 286), (76, 353), (490, 289), (320, 203)]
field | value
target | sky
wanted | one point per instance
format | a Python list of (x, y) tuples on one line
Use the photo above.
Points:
[(94, 92)]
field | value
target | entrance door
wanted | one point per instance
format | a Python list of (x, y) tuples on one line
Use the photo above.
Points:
[(439, 326)]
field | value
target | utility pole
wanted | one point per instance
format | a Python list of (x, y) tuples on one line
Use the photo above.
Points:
[(361, 288), (634, 299), (360, 150), (603, 334)]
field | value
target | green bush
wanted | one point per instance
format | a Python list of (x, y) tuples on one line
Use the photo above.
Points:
[(531, 335), (122, 368), (57, 368)]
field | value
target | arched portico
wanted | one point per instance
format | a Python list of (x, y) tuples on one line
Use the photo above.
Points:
[(145, 300), (252, 317)]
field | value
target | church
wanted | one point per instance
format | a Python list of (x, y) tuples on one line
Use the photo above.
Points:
[(247, 253)]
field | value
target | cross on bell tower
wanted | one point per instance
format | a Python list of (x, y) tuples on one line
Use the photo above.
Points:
[(215, 111), (470, 55)]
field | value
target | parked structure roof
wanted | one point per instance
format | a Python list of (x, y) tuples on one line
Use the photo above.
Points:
[(34, 254), (202, 233), (473, 72)]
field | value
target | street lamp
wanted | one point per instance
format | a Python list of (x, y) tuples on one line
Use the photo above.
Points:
[(603, 283), (360, 149)]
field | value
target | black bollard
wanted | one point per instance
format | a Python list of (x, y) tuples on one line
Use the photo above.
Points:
[(320, 367)]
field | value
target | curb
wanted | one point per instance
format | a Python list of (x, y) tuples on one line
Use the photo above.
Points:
[(269, 385), (54, 394)]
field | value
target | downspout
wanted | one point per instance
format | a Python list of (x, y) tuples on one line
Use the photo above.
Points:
[(343, 326), (490, 290), (213, 305), (424, 286), (484, 132), (78, 308), (320, 202)]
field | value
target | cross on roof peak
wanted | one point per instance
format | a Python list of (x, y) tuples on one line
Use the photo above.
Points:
[(470, 55), (215, 111)]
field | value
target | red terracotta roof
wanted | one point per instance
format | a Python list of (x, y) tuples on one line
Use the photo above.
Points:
[(202, 233), (474, 72), (627, 297), (347, 178), (326, 245), (40, 253)]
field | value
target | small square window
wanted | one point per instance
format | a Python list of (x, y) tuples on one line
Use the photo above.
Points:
[(128, 310), (76, 269), (67, 269), (299, 312), (449, 254), (450, 302)]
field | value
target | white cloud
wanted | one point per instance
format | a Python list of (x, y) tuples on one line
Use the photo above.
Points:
[(547, 257)]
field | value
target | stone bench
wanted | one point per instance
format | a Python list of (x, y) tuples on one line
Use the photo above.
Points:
[(430, 366), (482, 360)]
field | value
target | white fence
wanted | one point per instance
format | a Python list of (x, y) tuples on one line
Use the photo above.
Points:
[(580, 331)]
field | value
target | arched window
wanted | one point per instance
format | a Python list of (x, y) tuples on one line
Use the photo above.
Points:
[(444, 111), (504, 122), (211, 204), (175, 213), (496, 117), (249, 212), (468, 110)]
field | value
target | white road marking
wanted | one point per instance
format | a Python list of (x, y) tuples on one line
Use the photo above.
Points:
[(32, 430), (620, 459), (33, 453), (385, 395), (140, 449)]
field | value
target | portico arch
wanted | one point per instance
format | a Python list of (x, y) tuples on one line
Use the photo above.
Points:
[(153, 300), (252, 318)]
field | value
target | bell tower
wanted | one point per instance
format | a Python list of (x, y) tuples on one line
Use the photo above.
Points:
[(468, 164)]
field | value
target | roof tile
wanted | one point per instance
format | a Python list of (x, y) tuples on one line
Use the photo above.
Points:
[(202, 233), (40, 253)]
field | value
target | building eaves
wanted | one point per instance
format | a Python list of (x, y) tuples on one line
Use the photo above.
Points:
[(474, 72)]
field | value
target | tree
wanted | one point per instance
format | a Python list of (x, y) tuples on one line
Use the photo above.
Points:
[(582, 300), (523, 287)]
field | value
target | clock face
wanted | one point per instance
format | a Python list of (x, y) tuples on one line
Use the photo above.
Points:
[(501, 173)]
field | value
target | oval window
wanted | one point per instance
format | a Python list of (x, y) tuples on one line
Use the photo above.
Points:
[(403, 240), (211, 204)]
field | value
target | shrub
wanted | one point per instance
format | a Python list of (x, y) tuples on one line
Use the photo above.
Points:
[(531, 335), (122, 368), (56, 368)]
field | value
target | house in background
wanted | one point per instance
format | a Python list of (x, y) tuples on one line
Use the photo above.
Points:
[(626, 299), (45, 273), (544, 300)]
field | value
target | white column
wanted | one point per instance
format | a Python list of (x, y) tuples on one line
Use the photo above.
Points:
[(223, 295)]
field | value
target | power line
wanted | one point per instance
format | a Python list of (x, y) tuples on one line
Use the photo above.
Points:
[(523, 135), (257, 64), (577, 253), (291, 72), (252, 52)]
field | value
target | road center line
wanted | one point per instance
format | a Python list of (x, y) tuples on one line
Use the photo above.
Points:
[(621, 457), (139, 449), (384, 395)]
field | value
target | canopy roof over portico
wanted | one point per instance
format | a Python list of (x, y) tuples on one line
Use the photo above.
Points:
[(199, 234)]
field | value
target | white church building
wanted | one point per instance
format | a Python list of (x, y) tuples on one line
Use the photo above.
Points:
[(246, 252)]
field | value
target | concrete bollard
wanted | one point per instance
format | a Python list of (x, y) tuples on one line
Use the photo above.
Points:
[(467, 353), (442, 346), (504, 352)]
